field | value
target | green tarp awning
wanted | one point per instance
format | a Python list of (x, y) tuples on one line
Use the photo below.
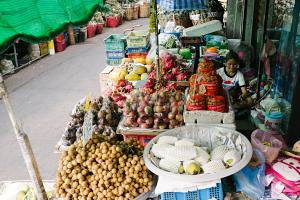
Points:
[(40, 20)]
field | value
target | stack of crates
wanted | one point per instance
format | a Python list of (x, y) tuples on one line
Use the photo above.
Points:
[(138, 44), (115, 46)]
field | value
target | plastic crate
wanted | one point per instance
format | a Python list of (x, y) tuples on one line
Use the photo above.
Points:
[(204, 194), (115, 42), (115, 54), (137, 55), (112, 21), (113, 62), (143, 139), (140, 134), (91, 30), (138, 39), (139, 49)]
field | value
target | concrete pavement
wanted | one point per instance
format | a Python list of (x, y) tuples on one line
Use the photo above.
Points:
[(43, 94)]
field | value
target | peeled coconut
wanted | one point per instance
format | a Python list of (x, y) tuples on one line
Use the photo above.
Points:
[(202, 156), (232, 157), (167, 140), (181, 153), (219, 152), (169, 165), (159, 150), (213, 166), (184, 142)]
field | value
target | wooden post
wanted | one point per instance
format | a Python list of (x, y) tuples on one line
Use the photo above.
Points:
[(25, 146)]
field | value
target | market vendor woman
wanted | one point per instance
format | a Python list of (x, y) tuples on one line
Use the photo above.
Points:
[(233, 79)]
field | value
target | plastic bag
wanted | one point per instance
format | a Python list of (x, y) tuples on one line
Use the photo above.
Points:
[(251, 180), (267, 143)]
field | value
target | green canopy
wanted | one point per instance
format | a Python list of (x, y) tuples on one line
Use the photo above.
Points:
[(40, 20)]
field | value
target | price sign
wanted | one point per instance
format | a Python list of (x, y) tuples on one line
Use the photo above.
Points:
[(193, 41), (87, 103), (87, 126)]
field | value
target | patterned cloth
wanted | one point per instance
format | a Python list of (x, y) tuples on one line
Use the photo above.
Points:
[(171, 5)]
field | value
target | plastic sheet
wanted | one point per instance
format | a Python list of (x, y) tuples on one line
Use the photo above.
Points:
[(251, 180)]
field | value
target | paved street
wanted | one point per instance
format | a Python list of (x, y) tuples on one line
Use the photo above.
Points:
[(43, 94)]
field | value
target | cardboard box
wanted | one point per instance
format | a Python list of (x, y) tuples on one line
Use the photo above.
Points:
[(43, 48), (104, 81)]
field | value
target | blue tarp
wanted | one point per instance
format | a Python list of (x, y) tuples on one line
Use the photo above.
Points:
[(176, 5)]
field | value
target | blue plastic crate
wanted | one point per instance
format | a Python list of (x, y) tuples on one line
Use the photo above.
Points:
[(113, 62), (115, 54), (139, 49), (115, 42), (204, 194)]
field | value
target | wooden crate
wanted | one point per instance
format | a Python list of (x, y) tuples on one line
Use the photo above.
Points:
[(43, 48), (144, 10)]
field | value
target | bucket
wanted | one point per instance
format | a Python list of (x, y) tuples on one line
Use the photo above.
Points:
[(273, 120), (60, 38), (60, 46), (91, 30), (112, 21), (99, 28)]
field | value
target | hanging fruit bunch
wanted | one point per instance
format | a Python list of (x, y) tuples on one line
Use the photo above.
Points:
[(74, 128), (106, 118), (102, 169)]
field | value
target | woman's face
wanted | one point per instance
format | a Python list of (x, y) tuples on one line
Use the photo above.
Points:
[(231, 66)]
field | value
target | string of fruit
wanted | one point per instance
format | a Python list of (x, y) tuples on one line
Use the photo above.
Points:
[(106, 117), (102, 169)]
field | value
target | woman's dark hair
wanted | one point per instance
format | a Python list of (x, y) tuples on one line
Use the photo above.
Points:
[(232, 55)]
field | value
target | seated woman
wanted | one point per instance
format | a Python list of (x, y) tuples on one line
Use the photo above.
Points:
[(233, 79)]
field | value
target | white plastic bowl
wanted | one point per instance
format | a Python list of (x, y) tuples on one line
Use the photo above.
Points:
[(192, 131)]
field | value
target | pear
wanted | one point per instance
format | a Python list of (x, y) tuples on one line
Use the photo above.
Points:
[(21, 195), (181, 168), (193, 168)]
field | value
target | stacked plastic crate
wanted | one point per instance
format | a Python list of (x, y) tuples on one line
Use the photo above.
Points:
[(115, 46), (138, 44)]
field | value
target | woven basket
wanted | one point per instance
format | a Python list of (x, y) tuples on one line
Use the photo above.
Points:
[(204, 17), (136, 12), (131, 12), (199, 19), (144, 10)]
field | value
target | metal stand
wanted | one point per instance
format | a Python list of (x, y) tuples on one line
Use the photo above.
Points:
[(25, 146), (157, 42)]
